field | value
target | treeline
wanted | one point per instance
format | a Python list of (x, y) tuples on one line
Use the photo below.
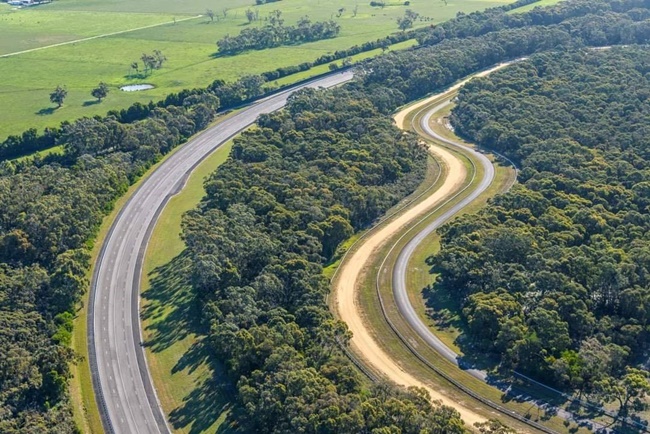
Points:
[(276, 34), (233, 93), (294, 188), (51, 211), (554, 277)]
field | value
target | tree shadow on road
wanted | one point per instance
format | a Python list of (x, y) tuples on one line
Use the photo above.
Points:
[(173, 315)]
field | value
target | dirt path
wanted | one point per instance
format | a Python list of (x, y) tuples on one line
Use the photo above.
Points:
[(344, 291), (90, 38), (401, 116)]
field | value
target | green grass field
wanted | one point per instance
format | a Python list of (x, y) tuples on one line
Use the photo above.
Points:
[(189, 44)]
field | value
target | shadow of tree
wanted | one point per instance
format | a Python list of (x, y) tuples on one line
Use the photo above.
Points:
[(208, 400), (441, 307), (91, 102), (173, 315), (444, 308), (46, 111), (170, 296)]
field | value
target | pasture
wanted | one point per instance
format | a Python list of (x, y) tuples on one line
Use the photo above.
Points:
[(188, 42)]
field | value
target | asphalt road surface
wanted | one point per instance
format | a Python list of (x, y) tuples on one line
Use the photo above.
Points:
[(123, 386), (401, 266), (400, 270)]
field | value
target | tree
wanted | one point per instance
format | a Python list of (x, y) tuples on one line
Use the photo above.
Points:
[(153, 61), (159, 58), (627, 391), (100, 91), (59, 95), (148, 62), (136, 67), (275, 18), (406, 22), (355, 10), (210, 14), (250, 15)]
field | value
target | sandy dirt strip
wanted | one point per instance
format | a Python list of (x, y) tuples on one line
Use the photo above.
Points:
[(345, 286), (353, 269)]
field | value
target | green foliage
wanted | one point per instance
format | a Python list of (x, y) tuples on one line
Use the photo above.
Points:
[(276, 34), (554, 276), (58, 95), (293, 189), (303, 181), (51, 210), (100, 92)]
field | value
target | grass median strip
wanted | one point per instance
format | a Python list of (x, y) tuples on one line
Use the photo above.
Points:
[(176, 355)]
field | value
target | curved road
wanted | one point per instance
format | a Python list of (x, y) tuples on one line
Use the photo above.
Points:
[(399, 272), (400, 269), (123, 386)]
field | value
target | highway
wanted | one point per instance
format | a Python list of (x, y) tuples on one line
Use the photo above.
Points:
[(123, 387)]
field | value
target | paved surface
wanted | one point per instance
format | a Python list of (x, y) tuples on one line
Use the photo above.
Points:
[(401, 266), (400, 270), (121, 379)]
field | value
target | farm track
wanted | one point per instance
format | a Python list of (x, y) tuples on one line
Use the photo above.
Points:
[(90, 38)]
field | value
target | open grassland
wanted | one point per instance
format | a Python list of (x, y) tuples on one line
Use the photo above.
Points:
[(189, 45), (541, 3), (24, 29)]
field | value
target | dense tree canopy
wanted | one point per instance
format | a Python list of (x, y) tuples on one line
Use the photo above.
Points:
[(276, 34), (51, 211), (295, 187), (555, 275)]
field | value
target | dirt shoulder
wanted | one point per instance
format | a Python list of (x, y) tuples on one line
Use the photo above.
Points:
[(352, 270)]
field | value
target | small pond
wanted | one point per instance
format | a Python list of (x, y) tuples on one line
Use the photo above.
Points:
[(136, 87)]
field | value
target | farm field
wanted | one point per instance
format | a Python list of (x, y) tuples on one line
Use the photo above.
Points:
[(186, 40)]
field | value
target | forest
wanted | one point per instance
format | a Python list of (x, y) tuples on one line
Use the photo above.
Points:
[(283, 201), (554, 276), (52, 207), (295, 187)]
